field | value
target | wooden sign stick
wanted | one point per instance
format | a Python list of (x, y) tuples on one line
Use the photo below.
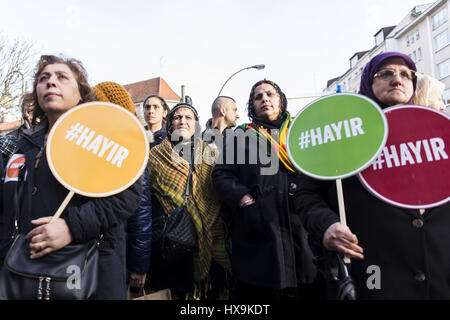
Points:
[(340, 194), (60, 210), (62, 206)]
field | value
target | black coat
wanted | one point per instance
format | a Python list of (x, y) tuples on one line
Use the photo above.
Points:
[(269, 246), (158, 137), (411, 250), (86, 218)]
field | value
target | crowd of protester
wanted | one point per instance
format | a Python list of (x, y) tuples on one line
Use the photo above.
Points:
[(262, 227)]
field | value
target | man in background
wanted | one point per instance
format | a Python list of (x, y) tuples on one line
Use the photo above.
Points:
[(224, 116)]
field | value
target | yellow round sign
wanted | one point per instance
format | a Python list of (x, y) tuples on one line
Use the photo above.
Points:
[(97, 149)]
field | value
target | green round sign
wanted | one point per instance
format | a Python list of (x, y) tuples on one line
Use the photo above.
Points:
[(336, 136)]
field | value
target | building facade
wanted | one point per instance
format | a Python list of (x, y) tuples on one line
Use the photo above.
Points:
[(141, 90), (423, 34)]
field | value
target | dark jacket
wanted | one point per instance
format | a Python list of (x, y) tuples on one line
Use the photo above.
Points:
[(269, 247), (86, 218), (158, 137), (411, 250), (139, 231), (2, 168), (17, 132)]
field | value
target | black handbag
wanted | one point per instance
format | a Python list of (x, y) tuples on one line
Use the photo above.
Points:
[(70, 273), (177, 236)]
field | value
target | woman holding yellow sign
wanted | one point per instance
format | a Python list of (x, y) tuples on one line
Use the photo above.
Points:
[(59, 85)]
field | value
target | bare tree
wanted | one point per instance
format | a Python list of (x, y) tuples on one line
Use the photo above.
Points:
[(16, 57)]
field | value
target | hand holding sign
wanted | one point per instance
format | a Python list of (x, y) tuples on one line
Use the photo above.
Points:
[(96, 149), (335, 137)]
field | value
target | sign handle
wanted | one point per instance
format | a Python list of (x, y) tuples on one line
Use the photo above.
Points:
[(62, 206), (342, 209)]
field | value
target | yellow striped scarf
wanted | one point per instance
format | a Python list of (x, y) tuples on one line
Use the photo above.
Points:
[(278, 147)]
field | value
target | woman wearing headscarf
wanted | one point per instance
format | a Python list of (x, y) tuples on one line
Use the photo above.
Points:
[(201, 273), (397, 253), (258, 187)]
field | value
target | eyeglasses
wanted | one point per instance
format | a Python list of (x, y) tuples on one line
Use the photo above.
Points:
[(389, 74)]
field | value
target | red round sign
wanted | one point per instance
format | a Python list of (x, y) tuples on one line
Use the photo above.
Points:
[(413, 170)]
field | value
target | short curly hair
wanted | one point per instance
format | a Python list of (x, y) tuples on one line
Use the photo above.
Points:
[(86, 92)]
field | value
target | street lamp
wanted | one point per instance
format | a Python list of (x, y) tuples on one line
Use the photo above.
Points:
[(257, 67)]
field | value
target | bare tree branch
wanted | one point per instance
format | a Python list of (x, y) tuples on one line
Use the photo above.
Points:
[(16, 57)]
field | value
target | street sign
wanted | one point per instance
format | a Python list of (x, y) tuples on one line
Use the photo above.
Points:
[(413, 170), (336, 136), (97, 149)]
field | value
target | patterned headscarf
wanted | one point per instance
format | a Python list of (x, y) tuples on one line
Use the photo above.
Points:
[(251, 107), (373, 66), (172, 113)]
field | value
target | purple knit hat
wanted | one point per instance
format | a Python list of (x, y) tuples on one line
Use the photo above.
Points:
[(373, 66)]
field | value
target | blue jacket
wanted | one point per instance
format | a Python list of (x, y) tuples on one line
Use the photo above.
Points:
[(139, 231)]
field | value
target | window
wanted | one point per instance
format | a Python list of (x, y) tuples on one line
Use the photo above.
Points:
[(379, 38), (446, 96), (412, 38), (441, 40), (414, 56), (353, 61), (443, 69), (419, 54), (407, 41), (417, 34), (440, 18)]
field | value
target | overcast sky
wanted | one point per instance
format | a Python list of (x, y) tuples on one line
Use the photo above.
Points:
[(199, 44)]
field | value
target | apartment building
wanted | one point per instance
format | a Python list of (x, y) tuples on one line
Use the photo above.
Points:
[(423, 34)]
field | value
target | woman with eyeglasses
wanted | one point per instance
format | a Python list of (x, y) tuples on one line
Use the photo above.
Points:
[(397, 253)]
